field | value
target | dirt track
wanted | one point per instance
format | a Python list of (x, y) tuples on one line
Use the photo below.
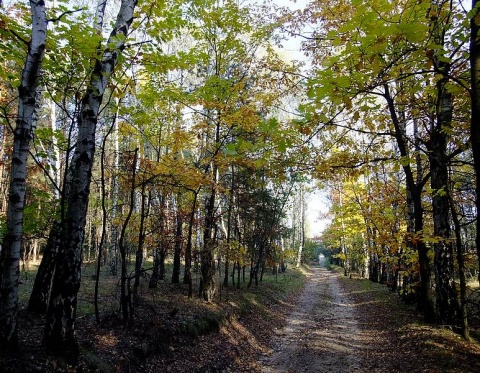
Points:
[(322, 333)]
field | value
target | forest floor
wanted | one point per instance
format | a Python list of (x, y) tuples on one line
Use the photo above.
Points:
[(351, 325), (313, 320)]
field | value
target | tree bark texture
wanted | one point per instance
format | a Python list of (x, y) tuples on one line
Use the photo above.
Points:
[(40, 294), (441, 124), (25, 123), (446, 304), (60, 320)]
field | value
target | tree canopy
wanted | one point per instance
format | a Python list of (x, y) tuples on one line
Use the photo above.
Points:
[(183, 131)]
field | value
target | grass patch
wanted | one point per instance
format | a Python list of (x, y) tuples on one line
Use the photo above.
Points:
[(273, 291)]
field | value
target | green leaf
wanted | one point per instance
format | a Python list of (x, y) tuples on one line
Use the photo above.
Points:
[(230, 149)]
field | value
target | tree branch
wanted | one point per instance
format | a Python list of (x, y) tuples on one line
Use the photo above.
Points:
[(64, 14)]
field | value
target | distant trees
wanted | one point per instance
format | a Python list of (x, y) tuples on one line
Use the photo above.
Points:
[(193, 162)]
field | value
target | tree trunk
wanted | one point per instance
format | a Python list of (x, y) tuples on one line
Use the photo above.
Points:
[(156, 268), (4, 179), (59, 333), (475, 117), (446, 305), (178, 247), (238, 274), (207, 259), (302, 227), (187, 276), (206, 255), (113, 247), (346, 269), (141, 239), (253, 268), (414, 198), (229, 229), (125, 299), (25, 123), (161, 264), (39, 296), (461, 271), (157, 262)]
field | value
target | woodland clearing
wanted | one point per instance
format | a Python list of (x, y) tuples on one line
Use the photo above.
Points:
[(334, 323)]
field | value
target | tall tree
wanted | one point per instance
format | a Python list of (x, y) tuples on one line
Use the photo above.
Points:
[(475, 102), (60, 320), (25, 124), (440, 130), (419, 94)]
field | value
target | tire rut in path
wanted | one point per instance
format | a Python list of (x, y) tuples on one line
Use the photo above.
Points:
[(322, 333)]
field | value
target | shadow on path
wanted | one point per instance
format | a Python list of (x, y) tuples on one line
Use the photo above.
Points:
[(322, 333)]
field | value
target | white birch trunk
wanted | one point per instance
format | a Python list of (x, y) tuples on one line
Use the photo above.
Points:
[(55, 170), (3, 177), (60, 321), (26, 120)]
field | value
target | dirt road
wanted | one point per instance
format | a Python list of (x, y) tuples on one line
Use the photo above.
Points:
[(322, 333)]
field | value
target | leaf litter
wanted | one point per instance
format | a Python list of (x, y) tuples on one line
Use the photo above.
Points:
[(335, 324)]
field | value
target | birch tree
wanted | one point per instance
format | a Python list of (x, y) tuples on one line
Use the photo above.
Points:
[(60, 319), (25, 124)]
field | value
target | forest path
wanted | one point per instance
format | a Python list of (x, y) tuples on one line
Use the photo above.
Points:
[(322, 333)]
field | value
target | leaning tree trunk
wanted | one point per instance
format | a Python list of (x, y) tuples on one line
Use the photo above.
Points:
[(26, 120), (59, 333), (475, 117)]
